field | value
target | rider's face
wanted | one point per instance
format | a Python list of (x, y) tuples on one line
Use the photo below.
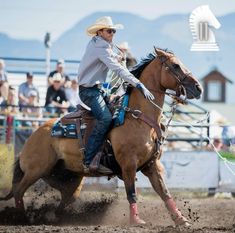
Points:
[(107, 34)]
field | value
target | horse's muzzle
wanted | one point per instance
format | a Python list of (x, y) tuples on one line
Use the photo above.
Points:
[(194, 91)]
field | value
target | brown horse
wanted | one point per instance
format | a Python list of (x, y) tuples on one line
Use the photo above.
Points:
[(134, 143)]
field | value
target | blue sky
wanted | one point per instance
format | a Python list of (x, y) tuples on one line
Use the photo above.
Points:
[(31, 19)]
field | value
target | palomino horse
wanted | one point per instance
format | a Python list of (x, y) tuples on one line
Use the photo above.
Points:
[(134, 143)]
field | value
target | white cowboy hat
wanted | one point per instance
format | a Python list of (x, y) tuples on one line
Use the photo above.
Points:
[(57, 77), (101, 23)]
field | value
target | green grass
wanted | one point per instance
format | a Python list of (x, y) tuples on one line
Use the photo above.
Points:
[(227, 155)]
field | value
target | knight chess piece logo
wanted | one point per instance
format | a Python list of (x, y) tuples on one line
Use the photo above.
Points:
[(201, 21)]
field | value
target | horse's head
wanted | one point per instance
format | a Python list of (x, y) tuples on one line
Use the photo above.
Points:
[(175, 76)]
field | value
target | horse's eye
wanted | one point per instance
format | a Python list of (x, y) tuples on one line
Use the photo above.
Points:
[(176, 66)]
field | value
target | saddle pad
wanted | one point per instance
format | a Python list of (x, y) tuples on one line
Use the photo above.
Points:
[(60, 130), (64, 131)]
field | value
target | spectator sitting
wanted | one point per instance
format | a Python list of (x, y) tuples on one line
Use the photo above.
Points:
[(56, 101), (218, 144), (4, 87), (9, 106), (59, 69), (25, 88), (72, 95), (32, 110)]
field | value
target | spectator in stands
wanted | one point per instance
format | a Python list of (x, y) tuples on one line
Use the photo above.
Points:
[(32, 110), (72, 95), (56, 101), (227, 136), (60, 66), (218, 144), (4, 86), (25, 88), (9, 106), (130, 60)]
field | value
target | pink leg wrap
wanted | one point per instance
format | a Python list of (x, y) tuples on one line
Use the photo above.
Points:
[(134, 215), (176, 215)]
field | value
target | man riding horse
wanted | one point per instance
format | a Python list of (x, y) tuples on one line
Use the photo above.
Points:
[(99, 57), (136, 144)]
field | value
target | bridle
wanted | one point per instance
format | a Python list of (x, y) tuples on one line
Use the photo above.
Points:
[(180, 89)]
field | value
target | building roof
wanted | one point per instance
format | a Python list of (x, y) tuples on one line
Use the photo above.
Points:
[(217, 73)]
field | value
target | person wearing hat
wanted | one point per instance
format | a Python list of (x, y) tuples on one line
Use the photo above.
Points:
[(60, 66), (32, 110), (129, 59), (100, 56), (56, 100), (25, 88)]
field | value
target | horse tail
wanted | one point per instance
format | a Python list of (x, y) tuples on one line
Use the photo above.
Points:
[(18, 173), (17, 176)]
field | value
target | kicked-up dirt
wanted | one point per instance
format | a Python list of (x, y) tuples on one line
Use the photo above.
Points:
[(103, 213)]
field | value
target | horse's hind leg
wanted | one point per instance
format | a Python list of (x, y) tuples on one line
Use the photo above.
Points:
[(155, 174), (20, 188), (67, 188), (31, 172), (67, 192)]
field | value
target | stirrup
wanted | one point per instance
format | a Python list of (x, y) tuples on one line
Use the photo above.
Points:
[(104, 170)]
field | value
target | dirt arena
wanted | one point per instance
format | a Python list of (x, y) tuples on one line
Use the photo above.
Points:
[(103, 212)]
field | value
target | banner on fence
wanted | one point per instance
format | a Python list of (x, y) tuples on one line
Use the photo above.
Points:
[(186, 169)]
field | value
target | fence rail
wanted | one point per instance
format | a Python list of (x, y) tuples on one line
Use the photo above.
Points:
[(37, 65)]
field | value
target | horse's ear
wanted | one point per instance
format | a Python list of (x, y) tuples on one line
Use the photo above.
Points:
[(160, 52)]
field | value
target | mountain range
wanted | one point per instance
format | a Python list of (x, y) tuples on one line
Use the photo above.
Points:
[(169, 31)]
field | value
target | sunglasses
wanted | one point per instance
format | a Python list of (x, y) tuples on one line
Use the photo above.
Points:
[(109, 31)]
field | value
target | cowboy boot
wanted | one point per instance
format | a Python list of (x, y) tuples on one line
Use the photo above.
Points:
[(134, 215), (96, 167)]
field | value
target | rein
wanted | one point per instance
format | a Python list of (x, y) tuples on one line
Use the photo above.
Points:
[(156, 152), (177, 98)]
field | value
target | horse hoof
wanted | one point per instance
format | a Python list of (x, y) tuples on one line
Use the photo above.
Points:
[(183, 222), (137, 221)]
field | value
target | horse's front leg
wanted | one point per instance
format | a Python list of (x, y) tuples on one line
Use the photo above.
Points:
[(155, 174), (128, 174)]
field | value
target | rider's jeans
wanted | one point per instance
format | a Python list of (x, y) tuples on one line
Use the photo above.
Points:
[(93, 98)]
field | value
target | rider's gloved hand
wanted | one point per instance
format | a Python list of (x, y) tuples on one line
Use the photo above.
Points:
[(147, 94)]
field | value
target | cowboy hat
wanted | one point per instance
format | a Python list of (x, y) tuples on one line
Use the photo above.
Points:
[(57, 77), (101, 23)]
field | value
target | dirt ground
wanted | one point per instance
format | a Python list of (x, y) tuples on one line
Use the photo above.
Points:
[(105, 212)]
